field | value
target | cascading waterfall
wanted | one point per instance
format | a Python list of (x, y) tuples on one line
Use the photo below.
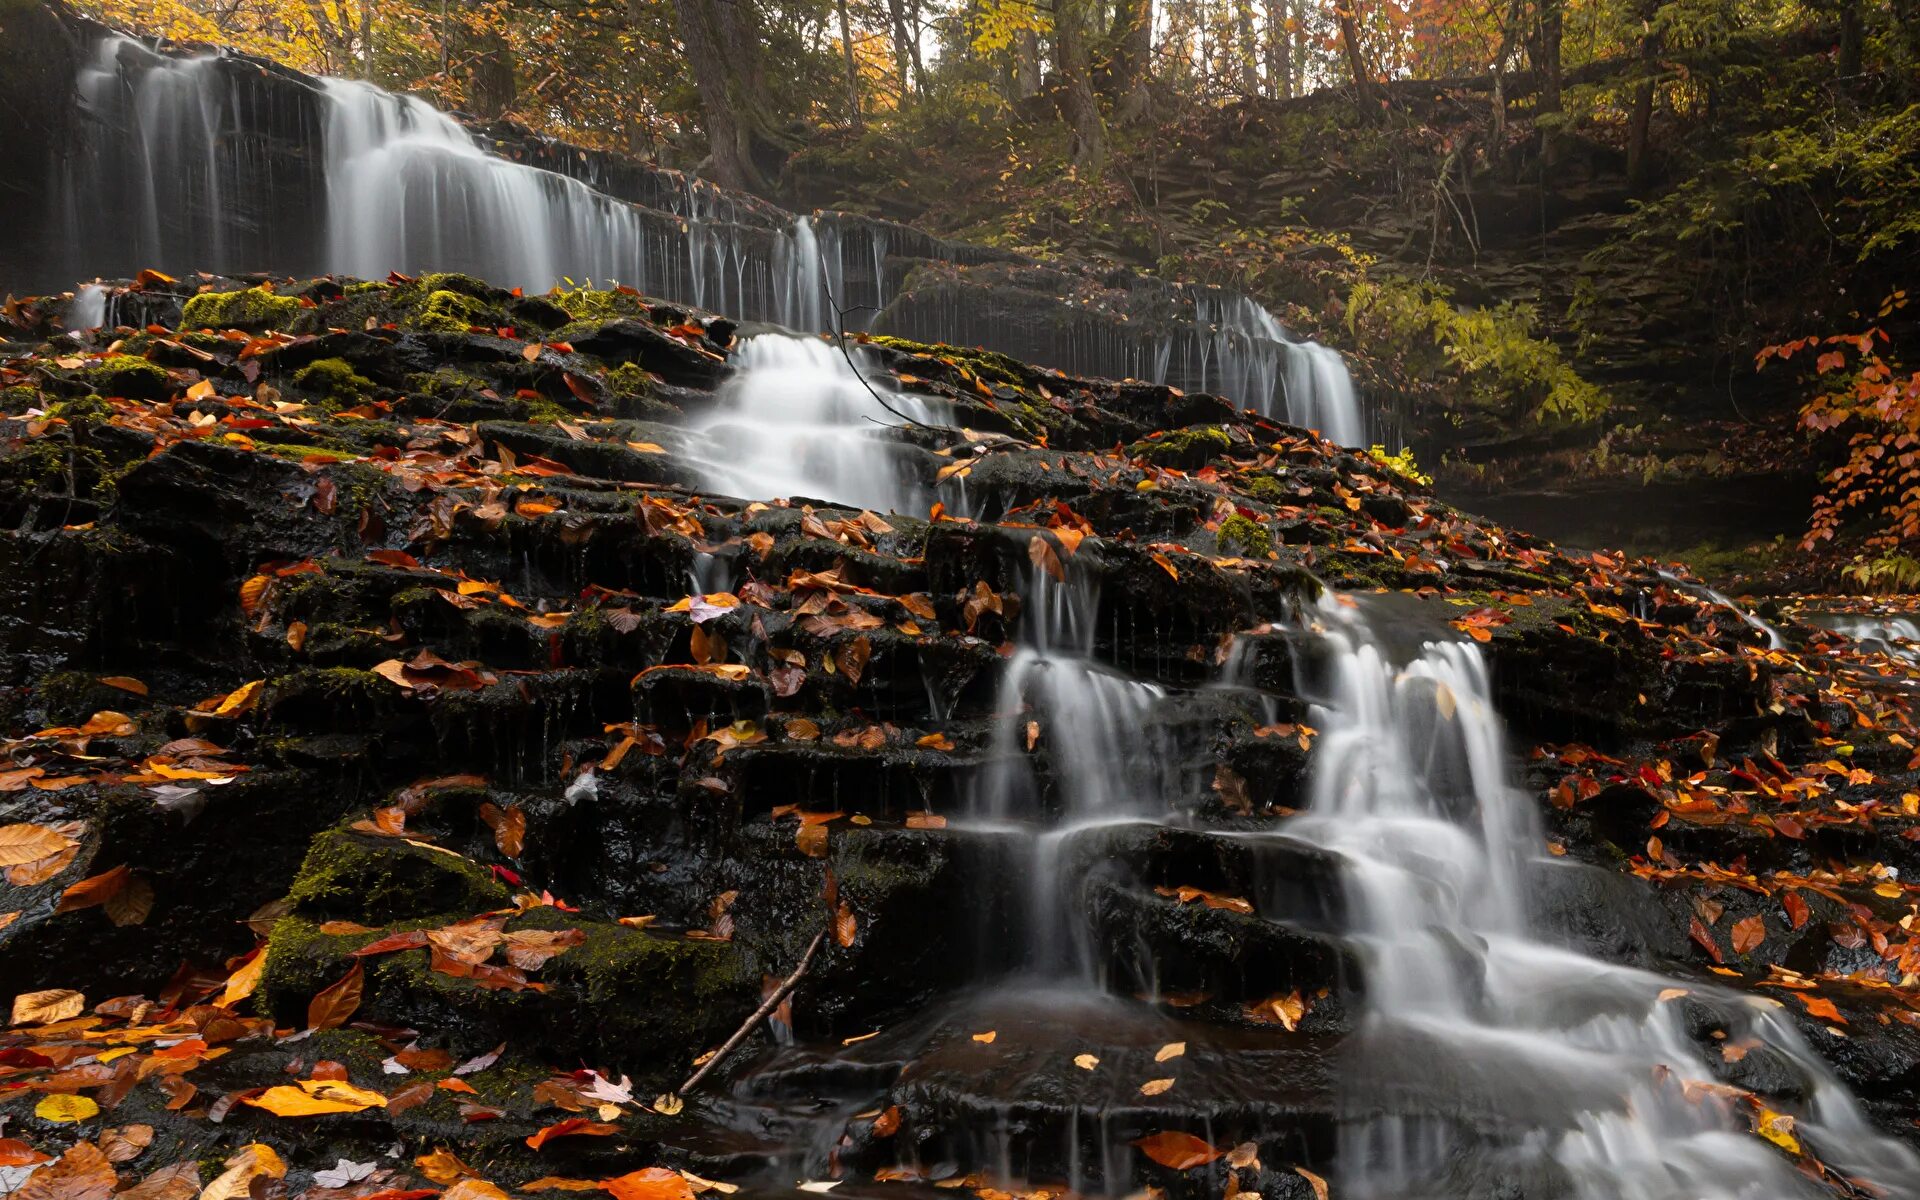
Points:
[(1719, 600), (797, 420), (207, 152), (1105, 765), (1411, 791)]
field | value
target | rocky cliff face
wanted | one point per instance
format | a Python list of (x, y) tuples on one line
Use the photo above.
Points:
[(380, 661)]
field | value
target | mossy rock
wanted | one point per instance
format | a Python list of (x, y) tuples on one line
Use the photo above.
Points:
[(368, 877), (642, 1002), (449, 311), (1248, 539), (1183, 448), (125, 375), (254, 309), (333, 379)]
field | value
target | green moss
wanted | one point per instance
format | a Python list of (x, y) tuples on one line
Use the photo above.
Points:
[(1192, 446), (449, 311), (586, 304), (984, 363), (365, 877), (1266, 489), (125, 375), (1249, 539), (630, 380), (248, 308), (333, 379)]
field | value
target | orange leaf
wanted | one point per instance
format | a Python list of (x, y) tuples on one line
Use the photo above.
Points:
[(653, 1183), (1181, 1151), (1748, 933), (571, 1127)]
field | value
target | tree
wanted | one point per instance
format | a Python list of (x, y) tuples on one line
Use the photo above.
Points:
[(1345, 12), (1132, 59), (1077, 100), (723, 51)]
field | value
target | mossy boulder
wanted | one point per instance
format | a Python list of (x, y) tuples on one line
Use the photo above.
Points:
[(333, 379), (1183, 448), (254, 309), (128, 376), (356, 876)]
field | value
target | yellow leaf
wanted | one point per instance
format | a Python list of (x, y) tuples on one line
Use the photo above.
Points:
[(442, 1166), (316, 1097), (987, 1037), (1170, 1050), (241, 983), (65, 1108), (1776, 1128), (1086, 1062), (29, 843), (1153, 1087)]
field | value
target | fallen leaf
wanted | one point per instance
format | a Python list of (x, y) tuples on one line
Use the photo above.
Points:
[(1086, 1062), (987, 1037), (1180, 1151), (1319, 1184), (29, 843), (331, 1008), (442, 1166), (571, 1127), (1748, 933), (652, 1183), (46, 1007), (1170, 1050), (1153, 1087), (253, 1161), (66, 1108), (317, 1097)]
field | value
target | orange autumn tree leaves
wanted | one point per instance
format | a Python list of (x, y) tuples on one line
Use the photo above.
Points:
[(1868, 395)]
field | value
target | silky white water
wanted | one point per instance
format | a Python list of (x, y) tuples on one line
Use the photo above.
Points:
[(796, 420), (1468, 1006), (402, 186)]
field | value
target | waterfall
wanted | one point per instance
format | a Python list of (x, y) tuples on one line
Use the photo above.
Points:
[(797, 420), (1104, 766), (1718, 600), (1411, 790), (209, 162), (1887, 634)]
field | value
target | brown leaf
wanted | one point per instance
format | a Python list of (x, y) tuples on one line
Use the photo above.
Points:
[(331, 1008), (845, 927), (30, 843), (1040, 552), (46, 1007), (1796, 906), (852, 658), (82, 1173), (509, 827), (181, 1181), (529, 949), (1319, 1184), (126, 1143), (1180, 1151), (1748, 933), (132, 904)]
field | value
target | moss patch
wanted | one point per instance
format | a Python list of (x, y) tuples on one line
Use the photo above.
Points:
[(249, 308)]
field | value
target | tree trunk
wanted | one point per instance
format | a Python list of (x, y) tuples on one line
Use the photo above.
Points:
[(1247, 49), (491, 89), (853, 76), (1347, 13), (366, 40), (1075, 66), (901, 61), (1279, 51), (1544, 50), (723, 53), (1640, 119), (1133, 59), (1852, 39), (1026, 65)]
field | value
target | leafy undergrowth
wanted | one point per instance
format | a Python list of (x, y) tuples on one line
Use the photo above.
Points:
[(360, 714)]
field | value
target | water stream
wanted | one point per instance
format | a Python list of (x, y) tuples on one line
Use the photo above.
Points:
[(215, 162)]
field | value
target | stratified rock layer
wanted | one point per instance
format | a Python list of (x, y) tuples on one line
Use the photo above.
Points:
[(346, 634)]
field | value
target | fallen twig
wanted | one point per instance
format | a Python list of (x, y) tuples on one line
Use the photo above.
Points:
[(766, 1006)]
